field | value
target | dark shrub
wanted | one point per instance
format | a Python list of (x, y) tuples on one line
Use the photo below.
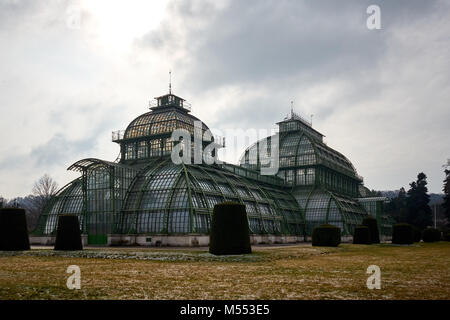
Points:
[(372, 224), (361, 235), (402, 233), (229, 230), (431, 235), (13, 230), (446, 236), (68, 234), (326, 235), (417, 234)]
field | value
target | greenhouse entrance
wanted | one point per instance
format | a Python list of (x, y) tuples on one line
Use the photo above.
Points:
[(103, 186), (97, 233), (97, 239)]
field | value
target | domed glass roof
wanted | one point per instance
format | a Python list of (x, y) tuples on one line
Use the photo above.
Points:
[(150, 134), (322, 206), (180, 199), (299, 149), (160, 122), (166, 198)]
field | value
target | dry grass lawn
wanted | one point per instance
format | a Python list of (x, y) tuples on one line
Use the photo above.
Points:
[(420, 271)]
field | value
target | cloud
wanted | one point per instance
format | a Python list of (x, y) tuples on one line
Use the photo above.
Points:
[(379, 96), (266, 41), (55, 152)]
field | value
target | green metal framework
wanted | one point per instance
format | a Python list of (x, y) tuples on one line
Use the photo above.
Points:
[(375, 207), (179, 199), (323, 181), (149, 135), (96, 197), (69, 199), (143, 192), (164, 198), (305, 161), (322, 206)]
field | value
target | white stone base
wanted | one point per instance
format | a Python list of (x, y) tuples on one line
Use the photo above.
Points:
[(158, 240), (192, 240), (43, 241), (344, 239), (50, 240), (274, 239), (347, 239)]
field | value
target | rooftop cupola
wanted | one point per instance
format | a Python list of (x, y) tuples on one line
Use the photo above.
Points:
[(295, 122), (169, 100)]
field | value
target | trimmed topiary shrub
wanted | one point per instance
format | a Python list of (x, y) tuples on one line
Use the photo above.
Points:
[(326, 235), (446, 236), (402, 233), (229, 230), (372, 224), (13, 230), (68, 234), (361, 235), (417, 234), (431, 235)]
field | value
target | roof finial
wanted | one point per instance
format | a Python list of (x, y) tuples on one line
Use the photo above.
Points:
[(170, 81), (311, 119), (292, 109)]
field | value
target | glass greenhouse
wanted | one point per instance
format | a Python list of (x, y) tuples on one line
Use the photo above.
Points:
[(323, 181), (145, 194)]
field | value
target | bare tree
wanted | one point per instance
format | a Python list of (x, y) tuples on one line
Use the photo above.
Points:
[(43, 190), (45, 187)]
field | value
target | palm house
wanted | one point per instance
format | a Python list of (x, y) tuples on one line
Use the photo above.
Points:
[(145, 198)]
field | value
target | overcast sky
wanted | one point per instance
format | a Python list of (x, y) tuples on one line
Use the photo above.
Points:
[(73, 71)]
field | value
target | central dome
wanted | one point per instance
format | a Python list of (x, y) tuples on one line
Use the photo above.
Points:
[(150, 134), (160, 122)]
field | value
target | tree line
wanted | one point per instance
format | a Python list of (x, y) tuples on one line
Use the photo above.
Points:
[(413, 207), (34, 204)]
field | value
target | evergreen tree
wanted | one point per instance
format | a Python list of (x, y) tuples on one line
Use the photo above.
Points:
[(402, 205), (396, 208), (402, 196), (446, 203), (419, 212), (374, 193)]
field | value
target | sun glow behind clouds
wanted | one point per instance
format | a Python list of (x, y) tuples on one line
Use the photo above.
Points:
[(116, 23)]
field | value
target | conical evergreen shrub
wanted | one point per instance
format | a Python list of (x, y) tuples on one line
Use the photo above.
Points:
[(361, 235), (431, 235), (417, 234), (446, 236), (402, 233), (326, 235), (372, 224), (13, 230), (68, 234), (229, 230)]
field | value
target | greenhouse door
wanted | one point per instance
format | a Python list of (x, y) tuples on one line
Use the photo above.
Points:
[(97, 228)]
